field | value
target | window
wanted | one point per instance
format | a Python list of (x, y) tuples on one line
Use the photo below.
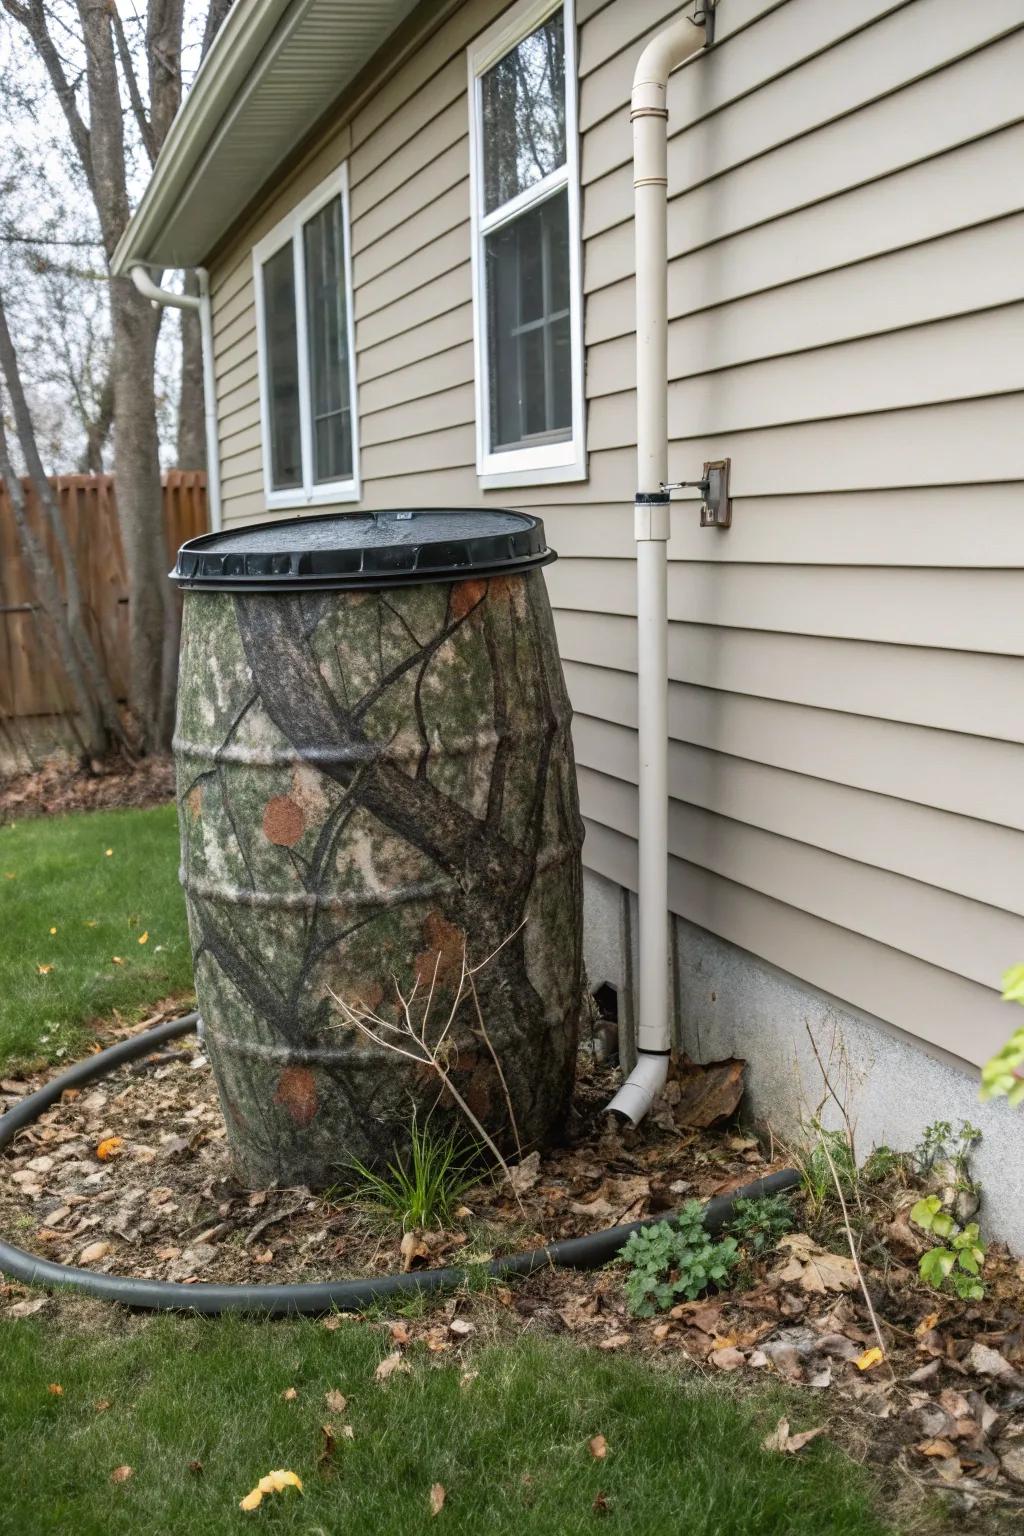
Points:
[(307, 353), (527, 287)]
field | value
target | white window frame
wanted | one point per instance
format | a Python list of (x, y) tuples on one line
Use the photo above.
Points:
[(309, 493), (547, 463)]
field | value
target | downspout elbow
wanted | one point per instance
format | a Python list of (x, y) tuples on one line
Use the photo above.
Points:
[(665, 52), (641, 1087), (150, 290)]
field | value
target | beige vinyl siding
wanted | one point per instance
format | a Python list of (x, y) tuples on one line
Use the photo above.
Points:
[(846, 293)]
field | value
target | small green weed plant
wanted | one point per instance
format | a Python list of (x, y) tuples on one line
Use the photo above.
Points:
[(940, 1144), (675, 1261), (758, 1224), (1002, 1077), (426, 1189), (957, 1263)]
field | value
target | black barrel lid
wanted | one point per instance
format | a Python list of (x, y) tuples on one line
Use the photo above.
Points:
[(364, 549)]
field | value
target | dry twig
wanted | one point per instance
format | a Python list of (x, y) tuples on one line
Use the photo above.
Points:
[(416, 1046)]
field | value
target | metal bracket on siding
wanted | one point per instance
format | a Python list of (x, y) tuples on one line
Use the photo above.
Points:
[(715, 501)]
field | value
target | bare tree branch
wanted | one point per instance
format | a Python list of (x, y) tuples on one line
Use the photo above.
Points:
[(131, 80), (32, 16)]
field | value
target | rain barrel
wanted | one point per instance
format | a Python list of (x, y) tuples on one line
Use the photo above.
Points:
[(376, 789)]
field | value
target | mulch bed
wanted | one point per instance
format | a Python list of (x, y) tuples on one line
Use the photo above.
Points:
[(62, 785), (133, 1176)]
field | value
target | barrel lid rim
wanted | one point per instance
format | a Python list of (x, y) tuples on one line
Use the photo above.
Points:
[(290, 566)]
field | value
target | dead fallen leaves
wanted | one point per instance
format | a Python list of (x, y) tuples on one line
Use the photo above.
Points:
[(414, 1250), (290, 1394), (336, 1403), (93, 1252), (523, 1176), (788, 1444), (121, 1474), (598, 1447), (814, 1268), (110, 1147), (437, 1498), (274, 1482), (392, 1365)]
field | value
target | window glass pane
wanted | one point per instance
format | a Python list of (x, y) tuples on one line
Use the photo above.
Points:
[(524, 114), (282, 369), (528, 335), (327, 332)]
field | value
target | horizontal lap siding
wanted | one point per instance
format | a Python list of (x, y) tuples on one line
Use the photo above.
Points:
[(846, 298)]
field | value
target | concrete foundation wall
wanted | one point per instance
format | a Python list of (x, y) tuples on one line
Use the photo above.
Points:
[(730, 1003)]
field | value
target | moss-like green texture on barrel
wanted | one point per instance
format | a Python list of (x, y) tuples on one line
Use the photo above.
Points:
[(371, 786)]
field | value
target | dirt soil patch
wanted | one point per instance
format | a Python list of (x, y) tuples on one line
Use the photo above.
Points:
[(133, 1176), (62, 785)]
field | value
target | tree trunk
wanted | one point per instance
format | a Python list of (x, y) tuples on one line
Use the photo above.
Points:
[(191, 422), (140, 507)]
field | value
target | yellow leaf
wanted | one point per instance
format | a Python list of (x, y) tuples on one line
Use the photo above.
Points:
[(109, 1148), (9, 874), (926, 1325), (90, 922), (116, 960), (869, 1358), (55, 1389), (144, 937), (53, 930), (274, 1482), (44, 970), (109, 853)]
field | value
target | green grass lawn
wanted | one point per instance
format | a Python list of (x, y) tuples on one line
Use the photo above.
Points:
[(56, 873), (511, 1448)]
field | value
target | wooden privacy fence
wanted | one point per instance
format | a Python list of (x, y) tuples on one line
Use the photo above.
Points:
[(31, 682)]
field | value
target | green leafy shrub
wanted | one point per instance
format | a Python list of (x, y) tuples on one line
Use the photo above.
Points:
[(1003, 1076), (958, 1265), (425, 1190), (758, 1224), (673, 1261)]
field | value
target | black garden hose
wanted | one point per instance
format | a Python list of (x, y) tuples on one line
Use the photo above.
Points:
[(307, 1299)]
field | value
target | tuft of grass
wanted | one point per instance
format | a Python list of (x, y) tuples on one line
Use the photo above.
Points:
[(815, 1174), (196, 1409), (56, 873), (426, 1189)]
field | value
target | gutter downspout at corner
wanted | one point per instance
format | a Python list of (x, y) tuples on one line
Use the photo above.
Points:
[(649, 116), (150, 290)]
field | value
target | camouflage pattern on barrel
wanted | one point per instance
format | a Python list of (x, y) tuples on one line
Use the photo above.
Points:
[(377, 792)]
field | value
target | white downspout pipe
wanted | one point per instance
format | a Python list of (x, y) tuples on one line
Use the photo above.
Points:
[(150, 290), (649, 116)]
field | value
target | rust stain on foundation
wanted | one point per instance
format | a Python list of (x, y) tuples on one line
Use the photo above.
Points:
[(296, 1092), (283, 821)]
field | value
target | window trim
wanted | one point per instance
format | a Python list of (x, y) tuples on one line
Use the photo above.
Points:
[(289, 231), (536, 464)]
